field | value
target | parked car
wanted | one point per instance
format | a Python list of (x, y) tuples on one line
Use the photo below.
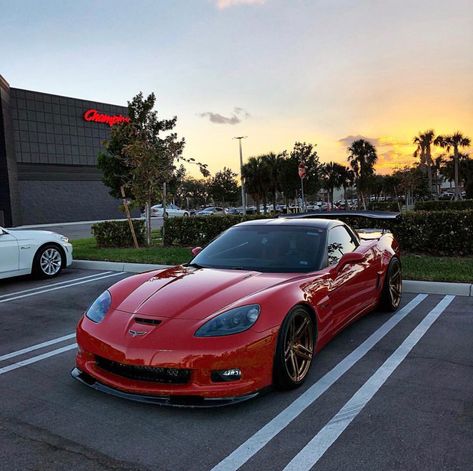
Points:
[(249, 311), (211, 211), (41, 253), (171, 211)]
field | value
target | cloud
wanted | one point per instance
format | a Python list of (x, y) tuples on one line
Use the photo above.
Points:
[(222, 4), (347, 141), (235, 118)]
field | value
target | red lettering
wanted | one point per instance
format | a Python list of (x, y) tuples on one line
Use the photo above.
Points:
[(96, 117)]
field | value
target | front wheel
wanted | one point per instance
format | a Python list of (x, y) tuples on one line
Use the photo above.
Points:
[(392, 288), (48, 262), (295, 349)]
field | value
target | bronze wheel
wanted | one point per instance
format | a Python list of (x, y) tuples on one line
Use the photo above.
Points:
[(295, 349), (392, 289)]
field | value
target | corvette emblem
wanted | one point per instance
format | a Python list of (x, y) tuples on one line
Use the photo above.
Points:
[(137, 333)]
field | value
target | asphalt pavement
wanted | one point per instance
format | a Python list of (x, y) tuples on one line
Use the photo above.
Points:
[(79, 230), (391, 392)]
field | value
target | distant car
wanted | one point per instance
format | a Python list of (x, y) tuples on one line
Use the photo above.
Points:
[(171, 211), (41, 253), (211, 211)]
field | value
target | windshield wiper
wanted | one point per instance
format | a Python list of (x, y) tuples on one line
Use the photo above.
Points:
[(194, 265)]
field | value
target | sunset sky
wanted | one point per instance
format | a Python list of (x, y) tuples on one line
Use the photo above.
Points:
[(278, 71)]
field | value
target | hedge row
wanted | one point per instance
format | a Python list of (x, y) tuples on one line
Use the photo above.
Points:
[(432, 232), (443, 205), (118, 234)]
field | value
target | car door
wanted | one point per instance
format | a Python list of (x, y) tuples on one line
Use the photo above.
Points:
[(9, 253), (346, 293)]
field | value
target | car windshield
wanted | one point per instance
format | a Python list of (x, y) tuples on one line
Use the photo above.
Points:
[(265, 248)]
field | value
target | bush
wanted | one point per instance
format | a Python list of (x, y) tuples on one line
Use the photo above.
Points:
[(432, 232), (442, 205), (199, 230), (118, 234), (384, 206)]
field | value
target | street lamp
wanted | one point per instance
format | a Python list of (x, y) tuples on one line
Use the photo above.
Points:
[(243, 202)]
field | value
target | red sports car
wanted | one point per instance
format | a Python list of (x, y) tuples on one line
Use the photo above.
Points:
[(248, 312)]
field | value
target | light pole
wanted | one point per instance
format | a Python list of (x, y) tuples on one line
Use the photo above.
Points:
[(243, 202)]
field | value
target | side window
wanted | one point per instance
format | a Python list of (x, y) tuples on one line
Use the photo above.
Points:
[(339, 242)]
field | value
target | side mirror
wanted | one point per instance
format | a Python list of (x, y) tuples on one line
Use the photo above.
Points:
[(349, 258), (196, 250)]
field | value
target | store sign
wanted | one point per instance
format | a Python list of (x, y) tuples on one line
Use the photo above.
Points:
[(95, 117)]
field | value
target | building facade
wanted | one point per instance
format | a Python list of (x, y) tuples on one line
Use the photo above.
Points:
[(48, 156)]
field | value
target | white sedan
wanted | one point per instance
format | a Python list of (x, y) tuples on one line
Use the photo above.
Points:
[(41, 253), (171, 211)]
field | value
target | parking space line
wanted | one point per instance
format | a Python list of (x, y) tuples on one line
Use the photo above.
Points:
[(37, 358), (316, 448), (54, 284), (257, 441), (7, 356), (59, 287)]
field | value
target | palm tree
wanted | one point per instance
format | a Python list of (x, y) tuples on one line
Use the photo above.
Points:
[(424, 143), (362, 157), (273, 165), (347, 179), (332, 177), (454, 141), (256, 179)]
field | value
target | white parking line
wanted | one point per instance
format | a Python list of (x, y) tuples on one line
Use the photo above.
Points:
[(316, 448), (54, 284), (59, 287), (257, 441), (7, 356), (37, 358)]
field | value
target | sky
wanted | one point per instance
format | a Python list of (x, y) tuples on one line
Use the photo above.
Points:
[(277, 71)]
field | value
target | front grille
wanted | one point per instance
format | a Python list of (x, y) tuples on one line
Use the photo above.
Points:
[(145, 373)]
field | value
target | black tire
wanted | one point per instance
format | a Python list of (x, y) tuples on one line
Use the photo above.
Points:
[(165, 215), (48, 261), (186, 215), (392, 287), (285, 376)]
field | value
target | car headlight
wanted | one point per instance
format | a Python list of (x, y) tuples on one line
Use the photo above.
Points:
[(63, 239), (230, 322), (100, 307)]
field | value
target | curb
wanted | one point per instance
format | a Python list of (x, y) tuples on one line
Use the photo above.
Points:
[(409, 286)]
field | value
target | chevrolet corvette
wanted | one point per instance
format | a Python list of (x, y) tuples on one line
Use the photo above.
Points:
[(248, 312)]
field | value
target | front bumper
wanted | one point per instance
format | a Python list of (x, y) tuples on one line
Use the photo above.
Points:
[(68, 250), (174, 401)]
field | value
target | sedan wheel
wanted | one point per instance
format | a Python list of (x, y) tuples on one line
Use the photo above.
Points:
[(48, 262), (295, 349)]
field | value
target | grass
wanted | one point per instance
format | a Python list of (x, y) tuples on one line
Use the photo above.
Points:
[(415, 267), (429, 268)]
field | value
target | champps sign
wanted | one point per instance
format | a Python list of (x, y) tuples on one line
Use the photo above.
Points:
[(96, 117)]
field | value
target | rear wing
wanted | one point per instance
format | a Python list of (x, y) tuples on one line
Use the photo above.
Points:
[(381, 215)]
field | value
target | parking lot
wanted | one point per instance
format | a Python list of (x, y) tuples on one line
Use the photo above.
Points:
[(391, 392)]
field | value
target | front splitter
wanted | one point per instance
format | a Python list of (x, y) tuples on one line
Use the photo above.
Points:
[(171, 401)]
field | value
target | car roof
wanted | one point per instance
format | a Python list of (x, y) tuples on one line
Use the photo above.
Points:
[(281, 221)]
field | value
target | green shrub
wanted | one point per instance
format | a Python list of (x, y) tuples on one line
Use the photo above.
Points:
[(118, 234), (443, 205), (432, 232), (199, 230), (383, 206)]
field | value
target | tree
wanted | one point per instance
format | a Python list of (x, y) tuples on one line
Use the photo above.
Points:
[(424, 143), (256, 179), (333, 175), (223, 187), (140, 155), (195, 190), (274, 166), (454, 141), (362, 157)]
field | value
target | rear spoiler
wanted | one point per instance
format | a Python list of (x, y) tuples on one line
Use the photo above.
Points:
[(329, 214)]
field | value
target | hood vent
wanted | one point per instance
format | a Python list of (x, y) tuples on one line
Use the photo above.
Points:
[(143, 320)]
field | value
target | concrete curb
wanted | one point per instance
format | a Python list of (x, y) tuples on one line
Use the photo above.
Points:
[(409, 286)]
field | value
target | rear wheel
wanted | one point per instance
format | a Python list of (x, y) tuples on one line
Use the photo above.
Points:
[(295, 349), (392, 288), (48, 261)]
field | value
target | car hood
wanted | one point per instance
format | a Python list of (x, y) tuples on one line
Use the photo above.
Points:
[(195, 293), (21, 234)]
